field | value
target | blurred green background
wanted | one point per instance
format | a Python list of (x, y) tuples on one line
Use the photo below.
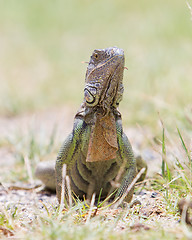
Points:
[(42, 45)]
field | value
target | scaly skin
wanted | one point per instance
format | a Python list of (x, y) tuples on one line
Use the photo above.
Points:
[(97, 152), (89, 177)]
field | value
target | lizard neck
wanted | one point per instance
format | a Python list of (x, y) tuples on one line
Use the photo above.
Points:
[(89, 114)]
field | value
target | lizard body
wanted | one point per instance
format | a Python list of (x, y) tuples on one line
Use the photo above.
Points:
[(97, 152)]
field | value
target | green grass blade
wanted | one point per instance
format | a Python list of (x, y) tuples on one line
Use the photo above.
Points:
[(99, 198), (184, 146), (163, 153)]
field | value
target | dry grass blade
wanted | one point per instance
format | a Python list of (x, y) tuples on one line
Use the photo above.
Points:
[(64, 171), (29, 171), (129, 188), (69, 190), (91, 208)]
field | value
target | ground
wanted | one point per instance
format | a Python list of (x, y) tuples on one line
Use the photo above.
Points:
[(30, 138)]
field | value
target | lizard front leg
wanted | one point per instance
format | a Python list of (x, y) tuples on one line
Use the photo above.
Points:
[(49, 172), (128, 162), (63, 157), (68, 154)]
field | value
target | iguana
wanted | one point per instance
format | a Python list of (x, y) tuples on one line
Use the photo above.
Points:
[(97, 152)]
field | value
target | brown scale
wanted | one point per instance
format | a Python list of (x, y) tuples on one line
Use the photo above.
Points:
[(103, 140)]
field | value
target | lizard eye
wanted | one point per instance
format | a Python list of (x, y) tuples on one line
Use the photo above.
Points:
[(88, 97), (89, 94), (96, 56)]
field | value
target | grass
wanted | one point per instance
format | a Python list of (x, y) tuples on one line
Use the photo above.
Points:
[(38, 215), (42, 45), (52, 39)]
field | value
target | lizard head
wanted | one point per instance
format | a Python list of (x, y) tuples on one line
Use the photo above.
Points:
[(104, 78)]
